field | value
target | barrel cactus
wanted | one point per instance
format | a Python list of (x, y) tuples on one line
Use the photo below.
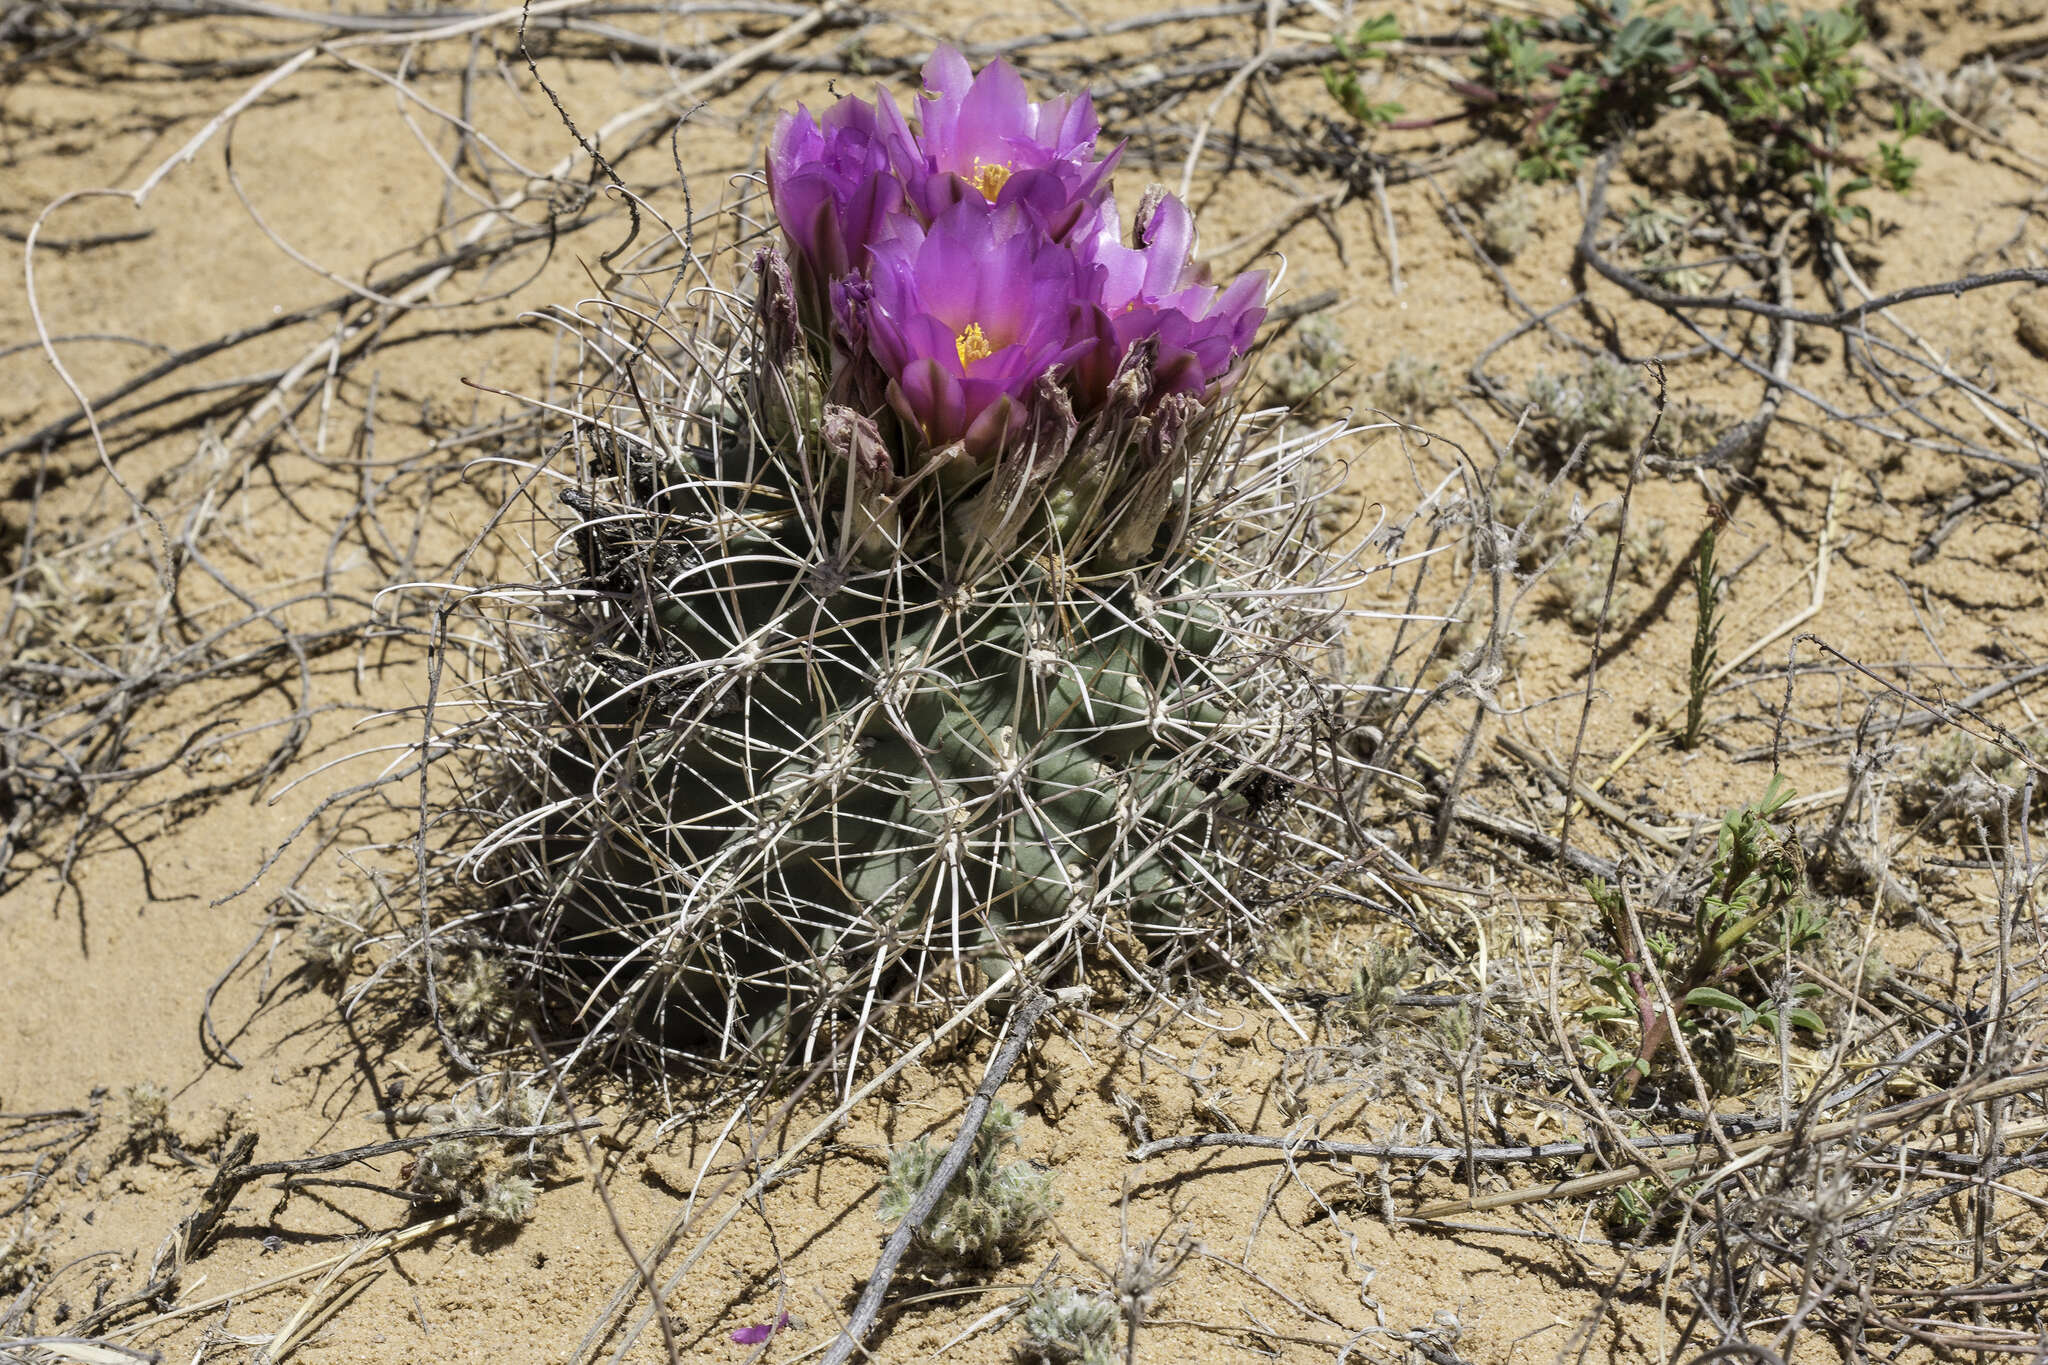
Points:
[(922, 605)]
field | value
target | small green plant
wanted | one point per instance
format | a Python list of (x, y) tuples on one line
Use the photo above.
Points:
[(1632, 1207), (1072, 1327), (1367, 43), (991, 1212), (1752, 912), (1706, 640), (1375, 982), (1913, 118), (1453, 1029), (1786, 82)]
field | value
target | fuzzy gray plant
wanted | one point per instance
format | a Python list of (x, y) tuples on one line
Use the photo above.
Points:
[(1966, 784), (328, 945), (146, 1121), (1979, 92), (1068, 1326), (23, 1258), (1505, 204), (992, 1210), (1603, 401), (1508, 225), (1410, 386), (1305, 373), (1486, 173), (491, 1179)]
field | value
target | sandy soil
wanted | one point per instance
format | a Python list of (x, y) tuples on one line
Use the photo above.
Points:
[(110, 958)]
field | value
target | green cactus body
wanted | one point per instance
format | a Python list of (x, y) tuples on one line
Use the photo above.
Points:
[(861, 771)]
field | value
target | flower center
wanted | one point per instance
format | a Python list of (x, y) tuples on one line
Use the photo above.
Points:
[(989, 177), (972, 344)]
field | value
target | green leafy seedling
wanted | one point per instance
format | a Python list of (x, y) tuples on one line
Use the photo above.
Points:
[(1751, 912), (1787, 84), (1368, 42)]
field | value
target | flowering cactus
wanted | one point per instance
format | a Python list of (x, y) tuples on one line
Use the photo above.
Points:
[(934, 614), (955, 264)]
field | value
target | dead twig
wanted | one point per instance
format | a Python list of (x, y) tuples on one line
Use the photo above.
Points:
[(858, 1323)]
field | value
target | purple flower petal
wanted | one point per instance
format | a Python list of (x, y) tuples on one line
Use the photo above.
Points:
[(759, 1332)]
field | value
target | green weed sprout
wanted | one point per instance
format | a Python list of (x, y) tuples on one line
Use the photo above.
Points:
[(1367, 43), (992, 1211), (1706, 636), (1752, 912)]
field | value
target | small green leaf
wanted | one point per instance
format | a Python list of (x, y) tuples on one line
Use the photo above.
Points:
[(1802, 1018), (1709, 997)]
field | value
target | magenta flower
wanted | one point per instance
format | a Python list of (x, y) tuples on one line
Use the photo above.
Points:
[(956, 264), (835, 189), (1154, 289), (965, 319), (759, 1332), (983, 134)]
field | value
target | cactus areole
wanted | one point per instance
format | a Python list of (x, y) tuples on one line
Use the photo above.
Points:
[(949, 620)]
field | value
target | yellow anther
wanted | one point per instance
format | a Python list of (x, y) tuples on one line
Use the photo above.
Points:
[(989, 177), (972, 345)]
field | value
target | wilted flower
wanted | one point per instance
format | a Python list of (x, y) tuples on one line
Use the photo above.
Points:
[(835, 187), (760, 1331), (1154, 289)]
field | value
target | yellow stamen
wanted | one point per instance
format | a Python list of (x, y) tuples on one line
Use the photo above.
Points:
[(989, 177), (972, 345)]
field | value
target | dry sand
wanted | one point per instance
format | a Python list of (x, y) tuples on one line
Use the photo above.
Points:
[(106, 968)]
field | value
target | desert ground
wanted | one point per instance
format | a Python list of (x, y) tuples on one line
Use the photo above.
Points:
[(298, 304)]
